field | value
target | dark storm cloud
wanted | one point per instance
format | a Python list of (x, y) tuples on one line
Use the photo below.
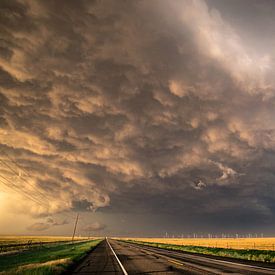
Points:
[(135, 105), (96, 226)]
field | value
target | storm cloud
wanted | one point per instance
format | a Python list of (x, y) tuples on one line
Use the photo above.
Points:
[(135, 107), (96, 226)]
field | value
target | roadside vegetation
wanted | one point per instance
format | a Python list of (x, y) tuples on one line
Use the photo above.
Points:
[(25, 239), (244, 254), (234, 243), (19, 243), (45, 260)]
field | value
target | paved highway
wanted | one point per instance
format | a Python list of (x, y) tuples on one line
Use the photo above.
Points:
[(117, 257), (100, 261)]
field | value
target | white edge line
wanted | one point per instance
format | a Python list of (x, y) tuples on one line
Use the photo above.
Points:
[(246, 265), (120, 264), (234, 263)]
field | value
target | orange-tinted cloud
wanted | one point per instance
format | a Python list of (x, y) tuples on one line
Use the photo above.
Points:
[(118, 105)]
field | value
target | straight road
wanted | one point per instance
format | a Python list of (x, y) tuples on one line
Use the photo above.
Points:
[(100, 261), (135, 257), (117, 257)]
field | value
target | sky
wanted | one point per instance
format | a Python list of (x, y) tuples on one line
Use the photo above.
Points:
[(144, 117)]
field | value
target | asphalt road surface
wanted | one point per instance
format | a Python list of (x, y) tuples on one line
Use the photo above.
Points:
[(117, 257), (100, 261)]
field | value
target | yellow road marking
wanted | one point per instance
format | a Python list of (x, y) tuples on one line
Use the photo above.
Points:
[(175, 262)]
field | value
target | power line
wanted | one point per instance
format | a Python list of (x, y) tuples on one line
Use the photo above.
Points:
[(24, 170), (18, 165), (15, 173), (35, 189), (20, 191)]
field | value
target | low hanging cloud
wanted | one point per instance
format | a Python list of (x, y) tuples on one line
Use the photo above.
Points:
[(53, 222), (126, 96), (39, 226), (42, 226), (94, 227)]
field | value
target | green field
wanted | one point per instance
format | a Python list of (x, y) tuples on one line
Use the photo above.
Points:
[(45, 260), (244, 254)]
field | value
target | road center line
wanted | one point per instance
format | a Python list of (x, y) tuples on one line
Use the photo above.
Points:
[(120, 264), (205, 259), (175, 262)]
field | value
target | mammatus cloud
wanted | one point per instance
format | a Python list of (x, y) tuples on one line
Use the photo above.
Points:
[(126, 97)]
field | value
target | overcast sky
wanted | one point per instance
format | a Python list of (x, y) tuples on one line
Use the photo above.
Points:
[(146, 116)]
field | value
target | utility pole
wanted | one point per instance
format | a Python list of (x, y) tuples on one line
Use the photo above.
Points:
[(76, 220)]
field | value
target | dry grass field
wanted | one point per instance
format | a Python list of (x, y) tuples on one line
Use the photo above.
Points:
[(10, 240), (234, 243)]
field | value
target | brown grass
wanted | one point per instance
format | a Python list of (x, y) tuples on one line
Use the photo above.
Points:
[(49, 263), (25, 239), (234, 243)]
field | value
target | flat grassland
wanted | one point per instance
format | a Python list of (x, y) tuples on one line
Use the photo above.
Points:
[(20, 243), (233, 243), (45, 260), (11, 240), (253, 249)]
